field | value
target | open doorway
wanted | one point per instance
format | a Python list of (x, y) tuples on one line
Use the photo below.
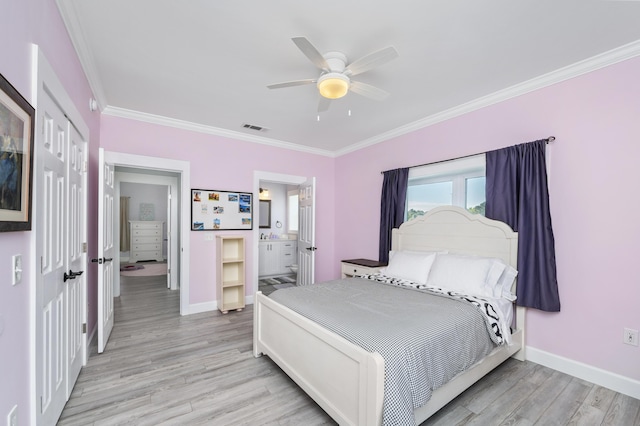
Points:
[(274, 239), (151, 213), (173, 174), (278, 244), (143, 231)]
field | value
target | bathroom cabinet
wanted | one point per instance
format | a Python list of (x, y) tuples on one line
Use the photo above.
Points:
[(275, 257)]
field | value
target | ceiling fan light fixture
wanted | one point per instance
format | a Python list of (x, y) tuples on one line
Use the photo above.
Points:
[(333, 85)]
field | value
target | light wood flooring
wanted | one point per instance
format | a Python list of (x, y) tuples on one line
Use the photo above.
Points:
[(163, 369)]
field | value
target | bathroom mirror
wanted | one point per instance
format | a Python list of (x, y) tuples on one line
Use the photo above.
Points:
[(265, 214)]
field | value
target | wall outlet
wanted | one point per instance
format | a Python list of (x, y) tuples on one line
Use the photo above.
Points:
[(208, 236), (630, 337), (12, 417)]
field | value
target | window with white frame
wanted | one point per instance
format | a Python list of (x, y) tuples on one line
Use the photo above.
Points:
[(459, 182)]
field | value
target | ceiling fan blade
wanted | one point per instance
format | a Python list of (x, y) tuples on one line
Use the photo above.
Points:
[(368, 91), (292, 83), (323, 104), (311, 52), (371, 61)]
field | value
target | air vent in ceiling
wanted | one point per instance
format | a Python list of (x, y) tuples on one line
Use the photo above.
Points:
[(254, 127)]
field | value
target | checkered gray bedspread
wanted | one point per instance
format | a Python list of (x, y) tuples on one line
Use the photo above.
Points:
[(425, 339)]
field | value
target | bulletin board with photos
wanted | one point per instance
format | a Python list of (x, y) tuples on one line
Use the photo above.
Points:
[(213, 210)]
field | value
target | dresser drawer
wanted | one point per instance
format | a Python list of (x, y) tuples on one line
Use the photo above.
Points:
[(146, 247), (146, 255), (146, 225), (146, 239), (146, 232)]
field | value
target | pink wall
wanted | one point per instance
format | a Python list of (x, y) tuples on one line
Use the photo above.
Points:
[(225, 164), (593, 164), (594, 202), (21, 24)]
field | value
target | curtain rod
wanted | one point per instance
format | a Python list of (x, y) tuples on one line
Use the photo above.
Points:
[(549, 140)]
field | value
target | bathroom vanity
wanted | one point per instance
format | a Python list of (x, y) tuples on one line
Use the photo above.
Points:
[(276, 257)]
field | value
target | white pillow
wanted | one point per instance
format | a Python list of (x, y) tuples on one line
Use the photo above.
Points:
[(503, 288), (412, 266), (471, 275)]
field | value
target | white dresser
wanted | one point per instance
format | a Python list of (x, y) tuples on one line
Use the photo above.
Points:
[(146, 240)]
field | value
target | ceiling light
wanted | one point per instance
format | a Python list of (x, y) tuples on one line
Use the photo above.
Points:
[(333, 85)]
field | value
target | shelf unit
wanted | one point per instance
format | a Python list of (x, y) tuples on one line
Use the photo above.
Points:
[(230, 273)]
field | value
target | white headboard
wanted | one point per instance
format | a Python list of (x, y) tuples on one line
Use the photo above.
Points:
[(458, 231)]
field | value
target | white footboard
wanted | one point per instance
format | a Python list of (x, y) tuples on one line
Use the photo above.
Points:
[(344, 379)]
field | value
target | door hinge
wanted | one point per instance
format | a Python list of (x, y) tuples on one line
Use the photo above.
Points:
[(84, 247), (84, 328), (84, 166)]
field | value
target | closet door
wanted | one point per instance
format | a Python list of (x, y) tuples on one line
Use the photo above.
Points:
[(51, 239), (60, 211)]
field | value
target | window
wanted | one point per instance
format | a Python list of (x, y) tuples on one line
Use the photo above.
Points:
[(458, 182), (292, 211)]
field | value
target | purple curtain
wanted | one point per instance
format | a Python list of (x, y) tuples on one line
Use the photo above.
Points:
[(394, 196), (517, 194)]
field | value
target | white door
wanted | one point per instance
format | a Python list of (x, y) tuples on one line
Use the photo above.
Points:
[(76, 257), (306, 232), (168, 245), (60, 232), (106, 197)]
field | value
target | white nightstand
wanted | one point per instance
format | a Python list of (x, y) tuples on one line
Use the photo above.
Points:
[(353, 267)]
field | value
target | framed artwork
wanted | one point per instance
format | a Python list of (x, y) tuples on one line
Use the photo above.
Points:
[(213, 210), (17, 118)]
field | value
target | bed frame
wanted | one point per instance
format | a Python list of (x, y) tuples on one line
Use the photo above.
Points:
[(347, 381)]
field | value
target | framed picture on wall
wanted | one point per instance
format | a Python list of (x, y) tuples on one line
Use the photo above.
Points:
[(16, 159), (213, 210)]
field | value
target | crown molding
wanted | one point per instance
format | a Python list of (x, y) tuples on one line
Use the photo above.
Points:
[(70, 18), (87, 62), (594, 63), (201, 128)]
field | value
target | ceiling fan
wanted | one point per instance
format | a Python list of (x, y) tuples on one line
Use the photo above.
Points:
[(335, 79)]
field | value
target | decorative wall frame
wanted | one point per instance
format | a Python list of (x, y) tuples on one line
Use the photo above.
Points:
[(213, 210), (17, 118)]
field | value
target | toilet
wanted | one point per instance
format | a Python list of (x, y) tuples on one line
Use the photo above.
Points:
[(294, 269)]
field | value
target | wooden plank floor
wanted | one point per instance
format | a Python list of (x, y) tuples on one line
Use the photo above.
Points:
[(163, 369)]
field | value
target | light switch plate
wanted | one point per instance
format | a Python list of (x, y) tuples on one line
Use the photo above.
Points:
[(16, 269), (12, 417)]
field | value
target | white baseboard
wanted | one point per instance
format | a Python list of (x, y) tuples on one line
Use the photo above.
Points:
[(198, 308), (586, 372), (210, 306)]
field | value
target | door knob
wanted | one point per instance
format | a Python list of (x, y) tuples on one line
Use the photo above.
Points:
[(71, 275)]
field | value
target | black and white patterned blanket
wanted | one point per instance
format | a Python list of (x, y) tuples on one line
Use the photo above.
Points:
[(426, 338), (489, 311)]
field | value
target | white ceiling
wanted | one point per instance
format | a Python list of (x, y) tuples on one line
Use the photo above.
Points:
[(205, 64)]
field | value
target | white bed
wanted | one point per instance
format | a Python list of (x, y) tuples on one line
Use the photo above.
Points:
[(346, 380)]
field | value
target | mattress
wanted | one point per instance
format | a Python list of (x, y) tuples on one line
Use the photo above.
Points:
[(424, 337)]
